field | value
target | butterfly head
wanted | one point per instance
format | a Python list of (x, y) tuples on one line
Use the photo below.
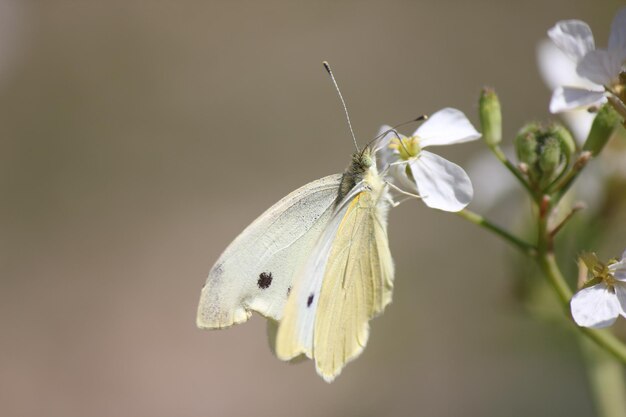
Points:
[(362, 162)]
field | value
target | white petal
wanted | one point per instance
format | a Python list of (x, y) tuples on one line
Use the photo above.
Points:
[(595, 306), (573, 37), (492, 184), (385, 155), (620, 293), (579, 122), (442, 184), (389, 133), (557, 69), (617, 40), (400, 178), (601, 67), (571, 98), (446, 127), (619, 270)]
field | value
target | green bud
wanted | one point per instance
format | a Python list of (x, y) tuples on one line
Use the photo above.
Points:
[(526, 144), (544, 151), (550, 158), (602, 129), (568, 145), (490, 117)]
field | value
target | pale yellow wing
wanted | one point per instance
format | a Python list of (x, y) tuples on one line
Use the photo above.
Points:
[(357, 286)]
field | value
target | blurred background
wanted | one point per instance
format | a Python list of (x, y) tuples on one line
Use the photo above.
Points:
[(137, 139)]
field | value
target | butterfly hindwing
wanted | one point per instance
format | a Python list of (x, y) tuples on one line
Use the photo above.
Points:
[(347, 281), (256, 270), (356, 287)]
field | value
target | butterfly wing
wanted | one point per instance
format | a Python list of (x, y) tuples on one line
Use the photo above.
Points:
[(348, 281), (357, 286), (256, 270)]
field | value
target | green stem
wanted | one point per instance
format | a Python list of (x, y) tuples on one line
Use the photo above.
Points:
[(502, 158), (479, 220), (566, 182)]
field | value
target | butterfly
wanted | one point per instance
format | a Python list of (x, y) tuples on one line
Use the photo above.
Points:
[(317, 264)]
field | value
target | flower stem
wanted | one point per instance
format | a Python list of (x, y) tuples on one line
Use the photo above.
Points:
[(566, 182), (497, 151), (479, 220)]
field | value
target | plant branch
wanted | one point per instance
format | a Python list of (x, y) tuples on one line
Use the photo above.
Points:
[(479, 220), (497, 151)]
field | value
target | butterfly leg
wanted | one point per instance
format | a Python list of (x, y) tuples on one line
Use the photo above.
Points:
[(401, 191)]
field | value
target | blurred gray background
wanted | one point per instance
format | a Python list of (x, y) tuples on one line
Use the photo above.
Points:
[(137, 139)]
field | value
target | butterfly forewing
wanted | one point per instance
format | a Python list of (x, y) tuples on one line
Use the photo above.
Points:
[(256, 271)]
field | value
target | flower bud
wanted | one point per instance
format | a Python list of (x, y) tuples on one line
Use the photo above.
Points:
[(490, 117), (602, 129), (567, 142), (526, 144), (542, 151), (550, 158)]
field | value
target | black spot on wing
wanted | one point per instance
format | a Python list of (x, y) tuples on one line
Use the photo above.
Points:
[(265, 280), (288, 291), (309, 300)]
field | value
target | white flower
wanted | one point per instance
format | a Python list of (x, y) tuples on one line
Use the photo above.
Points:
[(599, 68), (557, 69), (599, 305), (440, 183)]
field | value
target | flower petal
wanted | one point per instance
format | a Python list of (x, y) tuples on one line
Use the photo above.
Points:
[(557, 69), (620, 293), (445, 127), (595, 306), (492, 184), (573, 37), (571, 98), (385, 155), (387, 132), (617, 40), (442, 184), (619, 270), (601, 67), (579, 122)]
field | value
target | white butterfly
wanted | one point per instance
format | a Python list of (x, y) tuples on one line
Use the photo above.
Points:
[(317, 262)]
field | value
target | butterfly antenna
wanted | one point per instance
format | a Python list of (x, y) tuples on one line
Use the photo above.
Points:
[(418, 119), (345, 108)]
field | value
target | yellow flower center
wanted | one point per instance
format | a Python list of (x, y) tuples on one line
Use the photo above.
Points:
[(407, 147), (599, 271)]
